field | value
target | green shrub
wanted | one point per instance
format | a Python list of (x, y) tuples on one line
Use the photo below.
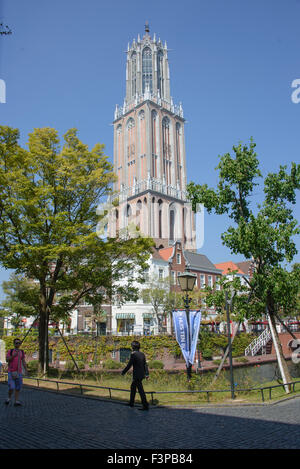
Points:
[(70, 366), (110, 364), (32, 366), (207, 354), (156, 364)]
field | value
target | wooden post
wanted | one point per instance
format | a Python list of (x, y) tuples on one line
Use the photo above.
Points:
[(278, 349)]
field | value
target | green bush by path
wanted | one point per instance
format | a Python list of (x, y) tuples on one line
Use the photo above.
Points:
[(111, 364), (93, 350), (155, 364)]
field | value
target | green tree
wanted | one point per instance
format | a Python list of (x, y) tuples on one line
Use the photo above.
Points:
[(264, 232), (49, 194), (241, 307), (155, 294), (296, 267), (21, 298)]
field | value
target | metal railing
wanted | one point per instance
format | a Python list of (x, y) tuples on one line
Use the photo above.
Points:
[(258, 343), (153, 393)]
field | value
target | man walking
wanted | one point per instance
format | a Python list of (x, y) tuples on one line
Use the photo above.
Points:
[(16, 362), (140, 371)]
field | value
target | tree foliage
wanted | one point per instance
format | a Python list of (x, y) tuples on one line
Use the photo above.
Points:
[(49, 195), (21, 298), (263, 232)]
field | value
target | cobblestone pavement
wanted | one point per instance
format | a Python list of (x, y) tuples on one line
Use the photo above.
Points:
[(57, 421)]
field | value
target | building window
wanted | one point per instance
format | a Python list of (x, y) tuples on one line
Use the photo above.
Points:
[(167, 153), (147, 69), (160, 77), (218, 286), (159, 224), (160, 274), (172, 225), (160, 218), (178, 152), (125, 326), (133, 73), (146, 274), (178, 258), (173, 277), (210, 281), (202, 281)]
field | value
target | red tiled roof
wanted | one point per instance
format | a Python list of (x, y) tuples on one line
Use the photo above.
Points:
[(166, 253), (227, 267), (156, 254)]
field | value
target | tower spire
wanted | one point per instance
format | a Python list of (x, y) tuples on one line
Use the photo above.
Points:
[(147, 28)]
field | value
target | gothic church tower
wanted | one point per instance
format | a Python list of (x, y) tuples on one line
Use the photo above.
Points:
[(149, 151)]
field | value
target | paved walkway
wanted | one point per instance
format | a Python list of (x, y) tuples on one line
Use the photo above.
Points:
[(50, 420)]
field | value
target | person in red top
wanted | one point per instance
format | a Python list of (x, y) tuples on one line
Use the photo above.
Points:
[(16, 362)]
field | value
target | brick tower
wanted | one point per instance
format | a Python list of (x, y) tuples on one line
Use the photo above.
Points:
[(149, 151)]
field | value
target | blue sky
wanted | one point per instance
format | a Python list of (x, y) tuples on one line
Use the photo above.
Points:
[(232, 64)]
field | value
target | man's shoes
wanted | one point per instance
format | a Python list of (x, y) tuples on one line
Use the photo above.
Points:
[(7, 401), (144, 408), (17, 404), (130, 405)]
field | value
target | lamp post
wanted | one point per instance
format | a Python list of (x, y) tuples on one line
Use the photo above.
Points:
[(228, 308), (187, 282)]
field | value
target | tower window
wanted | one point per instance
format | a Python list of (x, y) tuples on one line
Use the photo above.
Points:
[(147, 69), (172, 225), (160, 80), (133, 74)]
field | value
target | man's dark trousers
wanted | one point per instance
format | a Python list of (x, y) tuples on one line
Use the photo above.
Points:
[(137, 384)]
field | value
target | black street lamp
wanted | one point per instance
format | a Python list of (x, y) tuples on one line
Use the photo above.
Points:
[(187, 282), (228, 308)]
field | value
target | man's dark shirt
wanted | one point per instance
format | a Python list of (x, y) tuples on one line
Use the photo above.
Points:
[(140, 367)]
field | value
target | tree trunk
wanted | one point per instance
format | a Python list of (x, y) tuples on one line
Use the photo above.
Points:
[(284, 371), (43, 335)]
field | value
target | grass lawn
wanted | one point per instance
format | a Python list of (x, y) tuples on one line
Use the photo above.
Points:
[(161, 380)]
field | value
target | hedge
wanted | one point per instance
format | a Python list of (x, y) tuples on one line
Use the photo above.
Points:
[(90, 350)]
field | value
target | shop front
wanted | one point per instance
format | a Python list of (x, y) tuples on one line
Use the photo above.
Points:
[(125, 323), (148, 324)]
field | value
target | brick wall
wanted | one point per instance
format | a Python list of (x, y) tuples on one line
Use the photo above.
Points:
[(285, 338)]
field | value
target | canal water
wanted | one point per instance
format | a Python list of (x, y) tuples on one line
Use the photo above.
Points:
[(247, 376)]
